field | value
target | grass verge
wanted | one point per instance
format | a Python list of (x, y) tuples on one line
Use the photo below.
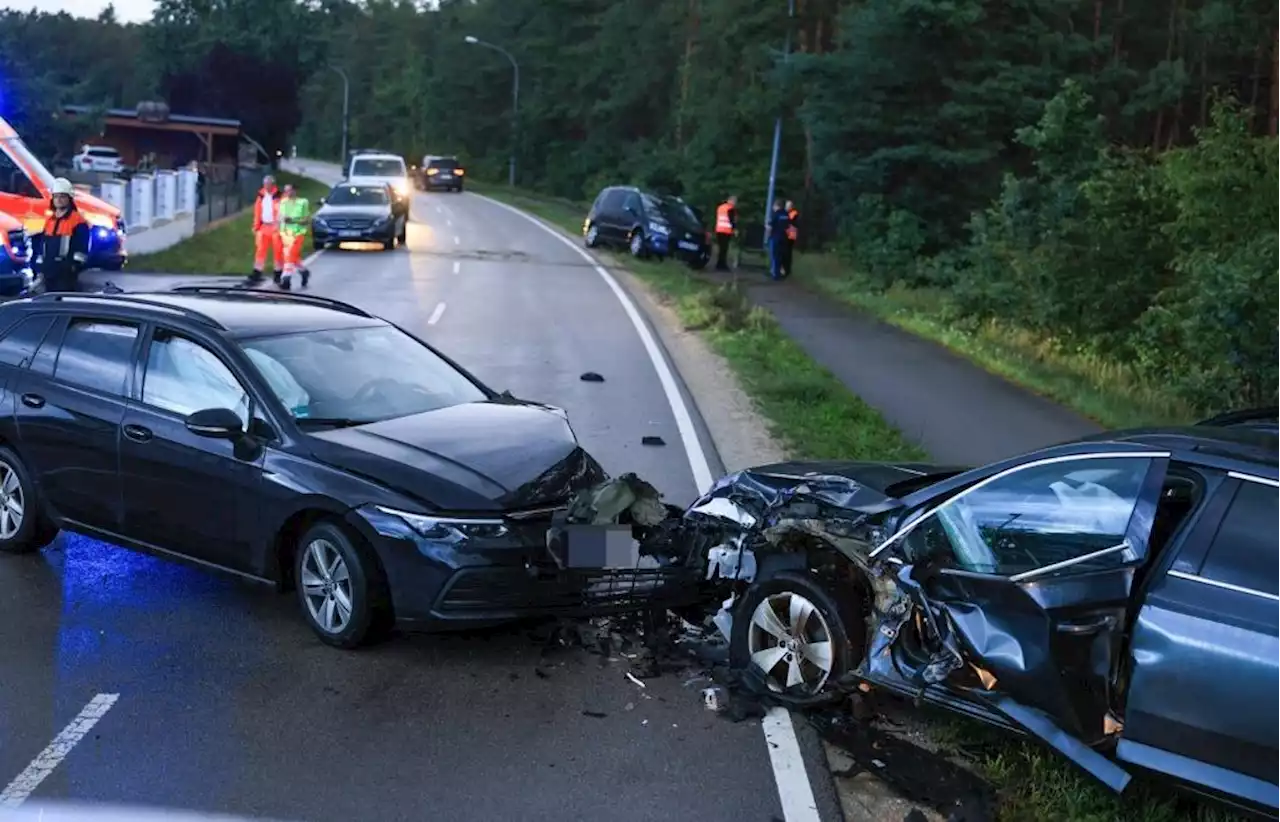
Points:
[(810, 411), (226, 249), (1102, 389)]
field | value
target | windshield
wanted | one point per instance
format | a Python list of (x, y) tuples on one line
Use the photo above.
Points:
[(27, 161), (357, 195), (672, 208), (352, 376), (388, 167)]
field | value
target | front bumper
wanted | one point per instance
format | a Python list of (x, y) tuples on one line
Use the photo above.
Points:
[(325, 234), (678, 245), (437, 585)]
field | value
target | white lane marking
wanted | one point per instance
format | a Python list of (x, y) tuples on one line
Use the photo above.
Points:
[(436, 315), (795, 793), (457, 240), (457, 266), (17, 791), (448, 222), (698, 464), (311, 258), (440, 209)]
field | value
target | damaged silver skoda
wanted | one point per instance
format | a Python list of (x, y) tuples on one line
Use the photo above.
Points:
[(1114, 597)]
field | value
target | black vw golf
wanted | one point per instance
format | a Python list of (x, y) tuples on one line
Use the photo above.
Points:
[(290, 439)]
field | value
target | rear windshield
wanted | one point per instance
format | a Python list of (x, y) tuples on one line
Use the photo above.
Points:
[(358, 195), (103, 152), (385, 167), (443, 162)]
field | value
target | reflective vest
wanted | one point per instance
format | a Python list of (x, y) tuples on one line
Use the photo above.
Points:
[(65, 238), (723, 224), (792, 233), (294, 214), (265, 207)]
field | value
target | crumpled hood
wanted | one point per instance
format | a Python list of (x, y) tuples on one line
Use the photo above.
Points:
[(486, 456)]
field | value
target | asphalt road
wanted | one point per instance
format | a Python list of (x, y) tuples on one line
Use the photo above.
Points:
[(227, 703)]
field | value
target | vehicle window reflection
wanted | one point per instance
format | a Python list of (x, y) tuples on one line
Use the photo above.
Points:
[(184, 377), (1036, 517)]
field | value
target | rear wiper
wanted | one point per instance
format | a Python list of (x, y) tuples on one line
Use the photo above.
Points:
[(333, 422)]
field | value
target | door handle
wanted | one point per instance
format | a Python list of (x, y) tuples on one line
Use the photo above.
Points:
[(137, 433), (1085, 628), (33, 400)]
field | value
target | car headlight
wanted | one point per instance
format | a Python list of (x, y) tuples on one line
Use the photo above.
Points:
[(318, 222), (659, 228), (449, 529)]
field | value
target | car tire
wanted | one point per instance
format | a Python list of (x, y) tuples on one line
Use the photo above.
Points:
[(829, 619), (33, 530), (636, 244), (352, 573), (592, 238)]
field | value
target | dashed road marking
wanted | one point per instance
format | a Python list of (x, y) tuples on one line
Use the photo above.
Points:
[(17, 791), (457, 240), (436, 315), (457, 266), (449, 223)]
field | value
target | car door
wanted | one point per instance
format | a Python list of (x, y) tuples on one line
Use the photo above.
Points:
[(1027, 579), (1201, 696), (71, 401), (611, 216), (632, 214), (183, 492)]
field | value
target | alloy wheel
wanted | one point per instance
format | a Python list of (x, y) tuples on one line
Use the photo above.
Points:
[(593, 234), (326, 584), (12, 503), (790, 642), (637, 244)]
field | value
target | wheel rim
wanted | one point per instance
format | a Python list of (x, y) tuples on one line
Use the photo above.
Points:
[(790, 642), (637, 243), (326, 586), (12, 503)]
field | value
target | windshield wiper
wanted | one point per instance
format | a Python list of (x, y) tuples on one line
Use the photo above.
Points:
[(332, 422)]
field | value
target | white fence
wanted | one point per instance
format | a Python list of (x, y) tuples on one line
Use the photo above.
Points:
[(159, 208)]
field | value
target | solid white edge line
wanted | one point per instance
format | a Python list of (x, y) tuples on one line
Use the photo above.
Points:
[(436, 315), (17, 791), (795, 793), (311, 258)]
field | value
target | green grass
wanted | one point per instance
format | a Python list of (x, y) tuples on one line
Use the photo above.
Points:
[(1103, 389), (226, 249), (816, 416), (806, 407)]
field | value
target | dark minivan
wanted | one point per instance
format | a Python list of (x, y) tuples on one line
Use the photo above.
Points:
[(648, 225)]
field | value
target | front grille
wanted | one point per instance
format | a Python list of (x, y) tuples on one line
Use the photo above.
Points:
[(572, 591), (349, 223)]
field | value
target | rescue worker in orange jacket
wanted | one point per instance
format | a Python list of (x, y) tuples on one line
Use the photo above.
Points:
[(266, 231), (726, 227), (61, 249), (788, 250)]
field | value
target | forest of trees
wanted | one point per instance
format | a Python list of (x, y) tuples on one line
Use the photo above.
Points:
[(1103, 172)]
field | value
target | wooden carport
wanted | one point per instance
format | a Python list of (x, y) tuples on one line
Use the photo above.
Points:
[(205, 129)]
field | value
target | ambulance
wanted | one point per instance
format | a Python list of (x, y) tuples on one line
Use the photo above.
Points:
[(24, 195)]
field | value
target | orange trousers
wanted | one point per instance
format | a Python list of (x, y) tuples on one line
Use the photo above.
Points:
[(264, 239), (292, 244)]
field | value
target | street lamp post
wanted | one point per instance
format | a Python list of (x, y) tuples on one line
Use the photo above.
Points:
[(346, 100), (777, 128), (515, 102)]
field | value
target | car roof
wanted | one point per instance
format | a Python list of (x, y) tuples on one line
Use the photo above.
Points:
[(377, 155), (238, 313), (1236, 448)]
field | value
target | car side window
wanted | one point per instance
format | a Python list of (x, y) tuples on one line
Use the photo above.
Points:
[(1243, 552), (613, 201), (96, 354), (183, 376), (1037, 517), (632, 204), (22, 340)]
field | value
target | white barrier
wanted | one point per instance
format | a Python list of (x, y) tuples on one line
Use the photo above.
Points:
[(188, 191), (166, 195), (113, 191), (141, 210)]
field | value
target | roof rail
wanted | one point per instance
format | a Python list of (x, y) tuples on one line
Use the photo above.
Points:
[(256, 294), (1244, 417), (57, 296)]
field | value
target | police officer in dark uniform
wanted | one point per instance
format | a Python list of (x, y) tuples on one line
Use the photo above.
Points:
[(61, 249)]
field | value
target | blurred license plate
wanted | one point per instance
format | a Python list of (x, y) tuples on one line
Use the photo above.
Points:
[(349, 233), (688, 246)]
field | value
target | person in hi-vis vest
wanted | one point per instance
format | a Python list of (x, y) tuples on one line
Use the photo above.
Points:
[(726, 227)]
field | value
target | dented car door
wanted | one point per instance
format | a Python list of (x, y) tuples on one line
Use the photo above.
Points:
[(1022, 585)]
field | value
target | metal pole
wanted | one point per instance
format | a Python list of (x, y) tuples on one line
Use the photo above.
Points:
[(777, 129), (346, 101), (515, 120)]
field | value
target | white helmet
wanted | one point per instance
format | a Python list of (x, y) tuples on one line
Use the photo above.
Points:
[(62, 185)]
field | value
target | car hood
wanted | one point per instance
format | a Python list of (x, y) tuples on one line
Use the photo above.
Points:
[(487, 456), (373, 211)]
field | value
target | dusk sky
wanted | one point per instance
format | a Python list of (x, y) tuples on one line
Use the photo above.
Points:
[(127, 11)]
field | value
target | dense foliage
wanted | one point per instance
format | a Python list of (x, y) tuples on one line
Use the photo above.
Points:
[(1099, 171)]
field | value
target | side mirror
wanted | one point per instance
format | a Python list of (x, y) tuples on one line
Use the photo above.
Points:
[(216, 423)]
